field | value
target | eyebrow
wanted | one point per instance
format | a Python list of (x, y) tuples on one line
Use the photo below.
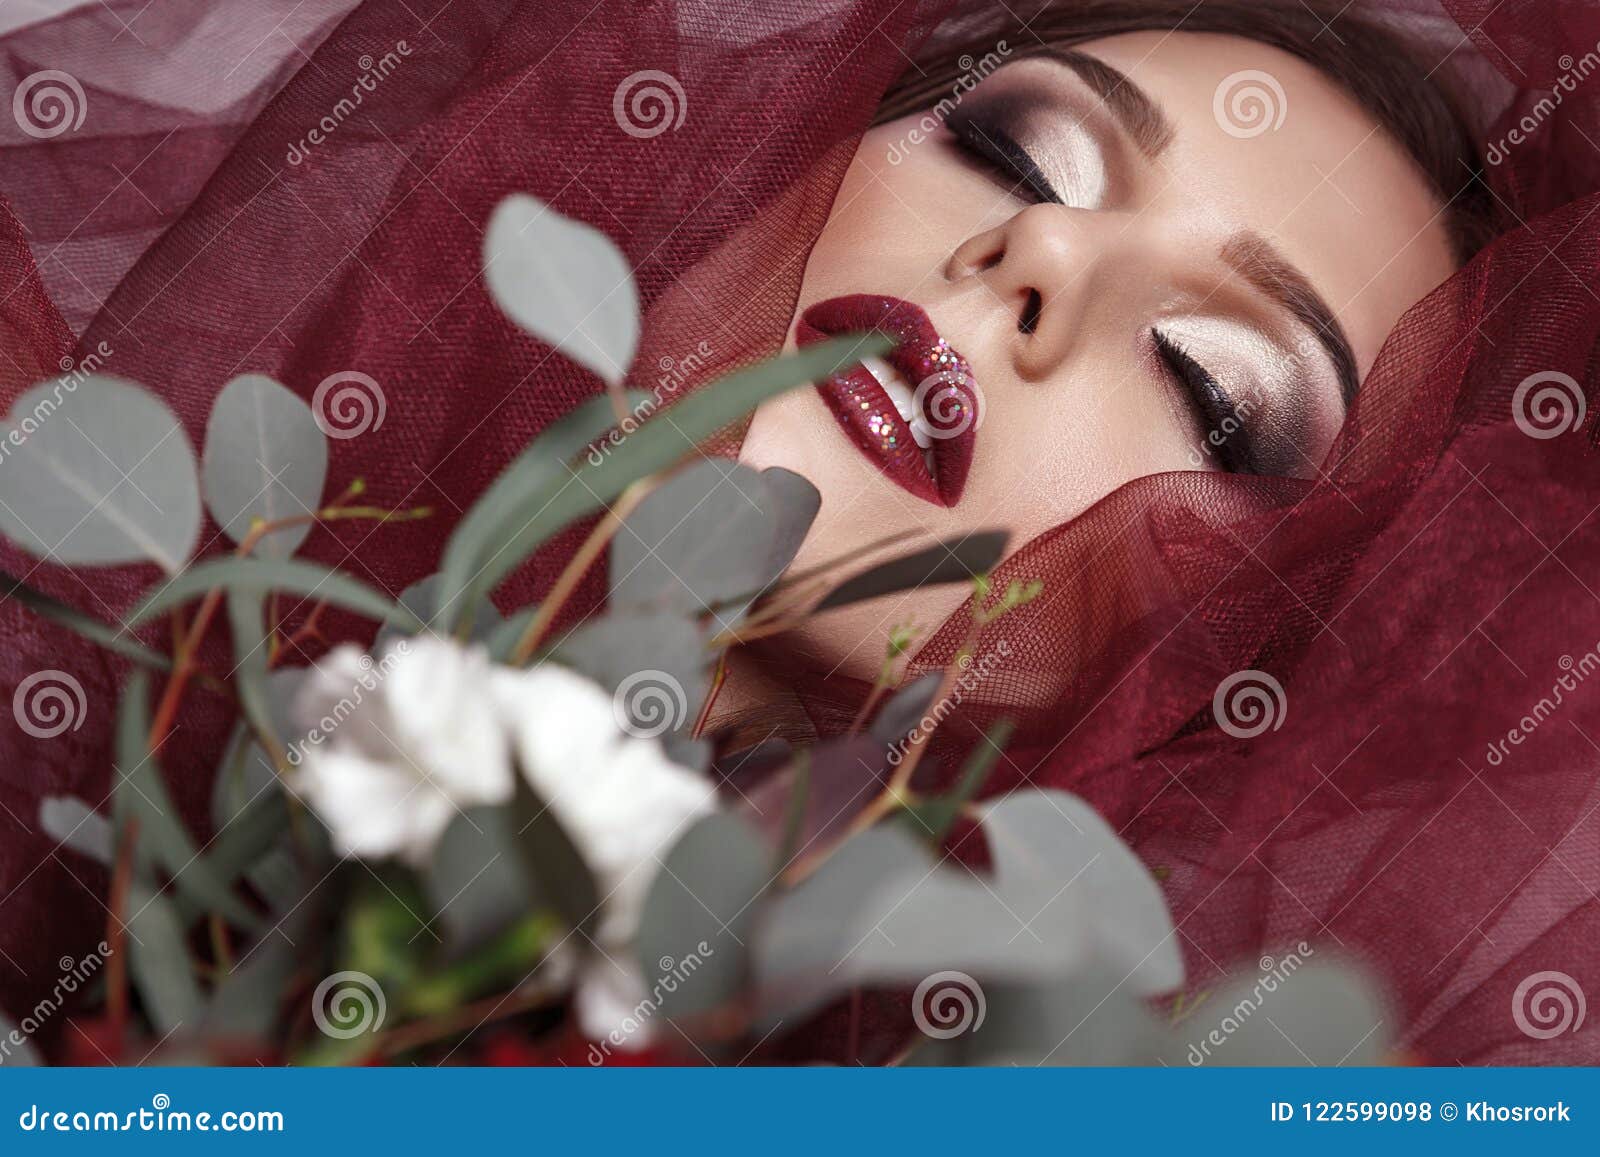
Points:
[(1139, 116), (1248, 253), (1254, 258)]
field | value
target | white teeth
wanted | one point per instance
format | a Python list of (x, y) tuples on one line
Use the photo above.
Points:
[(904, 400)]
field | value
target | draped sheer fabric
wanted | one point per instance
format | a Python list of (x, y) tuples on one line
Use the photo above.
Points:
[(1415, 603)]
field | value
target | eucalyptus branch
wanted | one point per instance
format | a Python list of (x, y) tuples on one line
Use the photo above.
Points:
[(900, 639), (718, 678), (791, 600), (116, 911), (1016, 595), (897, 793), (576, 568), (184, 657), (310, 629)]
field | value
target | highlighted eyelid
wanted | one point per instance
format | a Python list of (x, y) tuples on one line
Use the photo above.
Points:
[(1289, 402), (993, 145), (1072, 172), (1064, 126), (1228, 436)]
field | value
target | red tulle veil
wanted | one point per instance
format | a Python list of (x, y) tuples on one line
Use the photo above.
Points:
[(1415, 604)]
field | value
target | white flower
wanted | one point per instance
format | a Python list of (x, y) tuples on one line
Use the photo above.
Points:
[(613, 1005), (396, 750), (619, 798)]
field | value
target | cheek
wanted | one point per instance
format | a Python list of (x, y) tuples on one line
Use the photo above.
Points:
[(903, 208), (867, 228), (1050, 451)]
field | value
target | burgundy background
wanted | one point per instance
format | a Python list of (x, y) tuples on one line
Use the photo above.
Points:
[(1415, 603)]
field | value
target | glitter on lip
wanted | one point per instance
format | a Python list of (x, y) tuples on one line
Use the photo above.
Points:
[(943, 387)]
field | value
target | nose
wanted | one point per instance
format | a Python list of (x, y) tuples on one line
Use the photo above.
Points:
[(1036, 267)]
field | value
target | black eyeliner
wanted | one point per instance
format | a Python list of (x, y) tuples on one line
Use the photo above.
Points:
[(1234, 449), (991, 143)]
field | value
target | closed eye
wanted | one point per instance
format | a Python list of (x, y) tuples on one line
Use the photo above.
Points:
[(1227, 437), (1008, 161)]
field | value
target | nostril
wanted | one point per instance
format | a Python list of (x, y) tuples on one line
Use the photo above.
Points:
[(976, 256), (1028, 321)]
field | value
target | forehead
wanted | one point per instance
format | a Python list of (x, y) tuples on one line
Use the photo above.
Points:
[(1266, 141)]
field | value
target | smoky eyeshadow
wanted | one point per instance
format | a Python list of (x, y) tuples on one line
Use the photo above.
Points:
[(1039, 117), (1051, 122), (1277, 402)]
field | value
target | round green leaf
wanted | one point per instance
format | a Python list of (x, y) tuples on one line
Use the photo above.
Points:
[(565, 282), (705, 535), (98, 471), (698, 914), (265, 459)]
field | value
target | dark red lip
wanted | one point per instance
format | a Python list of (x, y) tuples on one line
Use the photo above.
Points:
[(941, 382)]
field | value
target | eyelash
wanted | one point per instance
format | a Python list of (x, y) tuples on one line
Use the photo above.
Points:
[(1217, 411), (996, 150)]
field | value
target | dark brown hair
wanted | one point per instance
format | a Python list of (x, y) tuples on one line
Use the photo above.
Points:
[(1368, 61)]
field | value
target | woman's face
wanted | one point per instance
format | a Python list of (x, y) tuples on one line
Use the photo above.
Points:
[(1101, 271)]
